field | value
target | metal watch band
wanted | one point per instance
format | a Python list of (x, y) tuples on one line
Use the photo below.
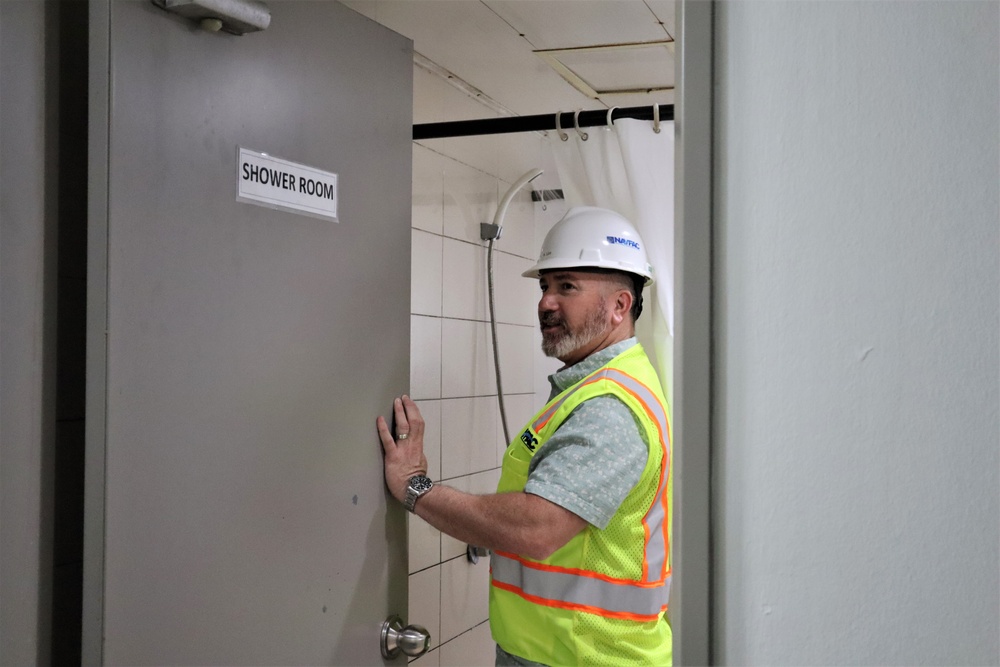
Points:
[(417, 486)]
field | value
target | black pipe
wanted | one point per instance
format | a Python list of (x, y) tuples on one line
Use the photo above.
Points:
[(592, 118)]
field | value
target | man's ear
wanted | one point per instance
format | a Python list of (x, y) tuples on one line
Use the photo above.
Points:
[(621, 306)]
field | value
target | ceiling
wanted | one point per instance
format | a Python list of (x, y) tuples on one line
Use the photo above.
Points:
[(524, 57)]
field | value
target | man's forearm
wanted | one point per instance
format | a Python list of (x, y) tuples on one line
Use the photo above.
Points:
[(519, 523)]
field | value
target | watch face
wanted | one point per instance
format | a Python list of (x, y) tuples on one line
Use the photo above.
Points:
[(420, 483)]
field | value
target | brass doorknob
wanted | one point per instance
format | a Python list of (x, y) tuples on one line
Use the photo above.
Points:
[(413, 640)]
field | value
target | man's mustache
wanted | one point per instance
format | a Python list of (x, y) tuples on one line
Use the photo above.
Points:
[(550, 320)]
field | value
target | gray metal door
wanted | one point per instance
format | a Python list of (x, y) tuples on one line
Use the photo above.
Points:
[(238, 355)]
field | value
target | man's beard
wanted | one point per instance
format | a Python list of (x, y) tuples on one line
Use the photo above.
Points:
[(561, 342)]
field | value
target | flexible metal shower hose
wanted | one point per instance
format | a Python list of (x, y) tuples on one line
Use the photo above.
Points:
[(496, 347)]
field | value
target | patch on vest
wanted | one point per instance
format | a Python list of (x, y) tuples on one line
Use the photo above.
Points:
[(529, 440)]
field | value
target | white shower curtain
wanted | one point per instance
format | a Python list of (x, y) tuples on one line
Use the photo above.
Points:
[(629, 168)]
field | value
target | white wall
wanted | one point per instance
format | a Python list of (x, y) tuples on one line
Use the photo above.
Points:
[(856, 316), (457, 184)]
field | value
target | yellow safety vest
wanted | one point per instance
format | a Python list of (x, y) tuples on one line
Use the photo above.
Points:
[(601, 598)]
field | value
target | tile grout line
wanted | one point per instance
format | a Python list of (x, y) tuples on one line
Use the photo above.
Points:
[(471, 319)]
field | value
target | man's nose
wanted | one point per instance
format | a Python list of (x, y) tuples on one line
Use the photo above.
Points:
[(546, 302)]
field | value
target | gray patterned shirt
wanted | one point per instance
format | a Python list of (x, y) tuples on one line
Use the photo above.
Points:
[(592, 461), (596, 456)]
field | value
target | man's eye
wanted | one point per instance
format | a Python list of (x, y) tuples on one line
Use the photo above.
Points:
[(568, 286)]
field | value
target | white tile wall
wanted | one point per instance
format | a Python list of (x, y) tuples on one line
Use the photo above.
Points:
[(470, 198), (430, 659), (457, 184), (428, 190), (518, 237), (426, 258), (516, 350), (517, 153), (475, 152), (473, 649), (467, 369), (512, 290), (425, 602), (424, 544), (464, 272), (431, 411), (468, 426), (547, 214), (464, 595), (425, 357)]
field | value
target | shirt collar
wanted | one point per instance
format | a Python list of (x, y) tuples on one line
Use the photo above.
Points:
[(567, 377)]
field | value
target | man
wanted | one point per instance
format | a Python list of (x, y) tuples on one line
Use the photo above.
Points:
[(580, 524)]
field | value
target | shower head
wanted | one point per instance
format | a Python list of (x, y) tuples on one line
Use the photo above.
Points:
[(502, 208)]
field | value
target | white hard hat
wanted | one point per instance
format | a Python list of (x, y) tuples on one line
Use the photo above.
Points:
[(593, 237)]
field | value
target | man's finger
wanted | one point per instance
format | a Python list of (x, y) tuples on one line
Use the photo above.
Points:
[(383, 434), (413, 416), (402, 424)]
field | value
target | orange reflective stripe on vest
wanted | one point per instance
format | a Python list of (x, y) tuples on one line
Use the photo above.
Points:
[(579, 589), (655, 521)]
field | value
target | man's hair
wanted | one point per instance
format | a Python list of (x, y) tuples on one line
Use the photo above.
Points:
[(632, 282)]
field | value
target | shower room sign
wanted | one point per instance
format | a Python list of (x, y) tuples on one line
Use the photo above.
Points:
[(269, 181)]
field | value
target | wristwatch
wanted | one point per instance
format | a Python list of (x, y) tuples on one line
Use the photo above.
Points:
[(416, 487)]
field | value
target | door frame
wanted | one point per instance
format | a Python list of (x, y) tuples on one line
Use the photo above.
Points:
[(99, 92), (691, 594)]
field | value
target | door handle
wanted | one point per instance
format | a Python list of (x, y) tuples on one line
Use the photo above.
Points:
[(413, 640)]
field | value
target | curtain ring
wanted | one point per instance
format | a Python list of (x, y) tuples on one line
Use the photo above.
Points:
[(609, 122), (576, 124), (656, 118), (562, 135)]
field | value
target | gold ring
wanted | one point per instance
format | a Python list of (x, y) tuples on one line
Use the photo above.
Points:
[(403, 436)]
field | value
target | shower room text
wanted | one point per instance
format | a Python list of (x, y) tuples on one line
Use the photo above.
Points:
[(265, 180), (282, 179)]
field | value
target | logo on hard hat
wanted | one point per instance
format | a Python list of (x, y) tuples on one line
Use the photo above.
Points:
[(617, 240)]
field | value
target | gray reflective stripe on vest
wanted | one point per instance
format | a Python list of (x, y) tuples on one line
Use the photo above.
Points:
[(547, 415), (657, 547), (614, 375), (581, 590)]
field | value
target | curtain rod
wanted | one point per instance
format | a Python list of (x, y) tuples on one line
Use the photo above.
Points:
[(592, 118)]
